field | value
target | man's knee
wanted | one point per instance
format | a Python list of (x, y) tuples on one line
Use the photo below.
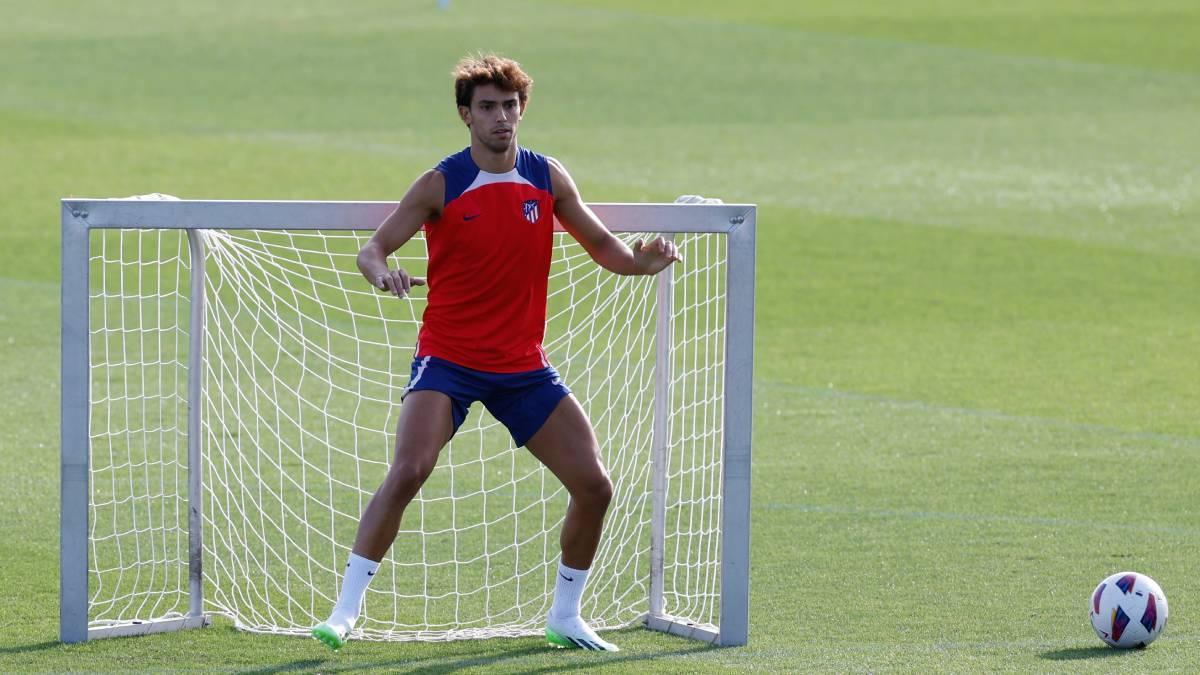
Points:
[(406, 476), (595, 491)]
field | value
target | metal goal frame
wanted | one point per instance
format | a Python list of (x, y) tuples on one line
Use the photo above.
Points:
[(81, 216)]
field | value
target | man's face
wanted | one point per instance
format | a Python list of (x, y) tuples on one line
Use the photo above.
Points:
[(493, 116)]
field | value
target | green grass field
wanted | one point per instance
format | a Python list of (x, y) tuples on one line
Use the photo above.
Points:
[(978, 324)]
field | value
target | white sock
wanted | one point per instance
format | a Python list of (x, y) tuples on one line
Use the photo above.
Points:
[(359, 572), (568, 588)]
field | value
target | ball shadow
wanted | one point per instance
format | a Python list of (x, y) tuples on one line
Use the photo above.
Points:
[(1083, 653)]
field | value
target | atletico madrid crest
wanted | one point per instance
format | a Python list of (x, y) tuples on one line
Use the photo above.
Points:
[(531, 210)]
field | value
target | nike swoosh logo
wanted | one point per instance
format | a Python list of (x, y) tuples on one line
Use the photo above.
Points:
[(471, 217), (565, 577), (370, 574)]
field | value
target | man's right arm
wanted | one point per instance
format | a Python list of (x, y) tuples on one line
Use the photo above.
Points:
[(421, 204)]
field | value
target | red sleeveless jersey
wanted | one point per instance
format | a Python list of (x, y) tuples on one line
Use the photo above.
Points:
[(489, 261)]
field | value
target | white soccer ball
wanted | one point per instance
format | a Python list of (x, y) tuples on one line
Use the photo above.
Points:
[(1128, 610)]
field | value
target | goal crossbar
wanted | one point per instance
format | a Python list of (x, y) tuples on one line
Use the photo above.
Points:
[(192, 214), (734, 223)]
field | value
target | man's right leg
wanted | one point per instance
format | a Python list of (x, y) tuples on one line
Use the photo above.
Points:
[(425, 425)]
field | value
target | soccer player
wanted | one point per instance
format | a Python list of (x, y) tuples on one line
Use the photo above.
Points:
[(488, 214)]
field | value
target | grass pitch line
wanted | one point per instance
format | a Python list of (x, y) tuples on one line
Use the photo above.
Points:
[(998, 415), (977, 517)]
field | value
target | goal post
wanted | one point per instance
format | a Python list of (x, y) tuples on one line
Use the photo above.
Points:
[(229, 392)]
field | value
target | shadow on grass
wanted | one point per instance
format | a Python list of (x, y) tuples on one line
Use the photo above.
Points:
[(1083, 653), (25, 649), (430, 666)]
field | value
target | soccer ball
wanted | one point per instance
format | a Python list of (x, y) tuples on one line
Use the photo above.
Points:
[(1128, 610)]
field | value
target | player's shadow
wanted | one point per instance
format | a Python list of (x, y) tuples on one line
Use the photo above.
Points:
[(415, 667), (330, 664), (1083, 653), (627, 659)]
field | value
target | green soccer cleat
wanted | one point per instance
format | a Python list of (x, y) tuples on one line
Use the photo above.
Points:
[(329, 635), (573, 633)]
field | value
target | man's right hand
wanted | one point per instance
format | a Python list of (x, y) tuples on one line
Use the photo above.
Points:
[(398, 282), (421, 204)]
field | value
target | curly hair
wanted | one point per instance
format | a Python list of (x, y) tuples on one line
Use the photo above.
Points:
[(476, 69)]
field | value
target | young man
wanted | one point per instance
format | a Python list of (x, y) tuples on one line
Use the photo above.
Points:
[(488, 213)]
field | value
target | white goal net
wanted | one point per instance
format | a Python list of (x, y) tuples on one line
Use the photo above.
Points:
[(299, 372)]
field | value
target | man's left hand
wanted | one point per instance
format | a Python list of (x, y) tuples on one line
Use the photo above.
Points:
[(654, 257)]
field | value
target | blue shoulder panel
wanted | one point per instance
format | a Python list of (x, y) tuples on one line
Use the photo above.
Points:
[(534, 168), (460, 171)]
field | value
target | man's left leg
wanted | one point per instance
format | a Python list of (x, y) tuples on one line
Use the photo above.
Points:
[(567, 446)]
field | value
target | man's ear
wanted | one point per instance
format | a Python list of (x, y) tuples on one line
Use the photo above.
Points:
[(464, 114)]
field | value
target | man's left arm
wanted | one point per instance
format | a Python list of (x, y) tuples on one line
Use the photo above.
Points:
[(607, 250)]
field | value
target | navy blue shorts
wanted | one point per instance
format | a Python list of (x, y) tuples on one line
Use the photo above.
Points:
[(522, 402)]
